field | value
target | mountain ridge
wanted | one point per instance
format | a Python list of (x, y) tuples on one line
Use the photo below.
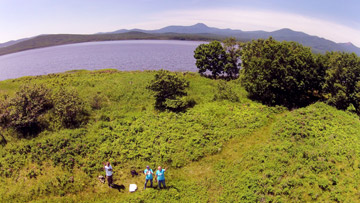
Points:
[(318, 44), (199, 31)]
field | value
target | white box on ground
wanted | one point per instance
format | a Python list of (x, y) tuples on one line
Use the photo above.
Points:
[(132, 188)]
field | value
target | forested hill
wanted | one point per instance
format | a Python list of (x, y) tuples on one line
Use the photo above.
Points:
[(225, 148), (195, 32), (318, 44), (61, 39)]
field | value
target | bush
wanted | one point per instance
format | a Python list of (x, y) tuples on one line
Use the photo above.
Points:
[(24, 111), (225, 92), (70, 111), (169, 91), (280, 73)]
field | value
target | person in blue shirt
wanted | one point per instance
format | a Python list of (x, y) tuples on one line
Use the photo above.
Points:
[(148, 176), (160, 176)]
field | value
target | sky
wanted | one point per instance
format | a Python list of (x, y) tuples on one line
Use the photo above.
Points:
[(335, 20)]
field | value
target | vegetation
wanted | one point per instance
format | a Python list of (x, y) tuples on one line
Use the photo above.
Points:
[(342, 87), (169, 91), (218, 59), (225, 149), (232, 49), (284, 73), (280, 73), (210, 57), (24, 112)]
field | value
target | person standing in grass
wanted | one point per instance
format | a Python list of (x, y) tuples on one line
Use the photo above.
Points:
[(109, 173), (148, 176), (160, 176)]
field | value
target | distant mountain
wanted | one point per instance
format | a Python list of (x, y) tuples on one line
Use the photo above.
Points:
[(12, 42), (316, 43), (198, 31), (61, 39)]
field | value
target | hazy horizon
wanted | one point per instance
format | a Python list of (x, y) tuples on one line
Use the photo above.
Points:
[(333, 20)]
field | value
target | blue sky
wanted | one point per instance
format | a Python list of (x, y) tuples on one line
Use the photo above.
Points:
[(335, 20)]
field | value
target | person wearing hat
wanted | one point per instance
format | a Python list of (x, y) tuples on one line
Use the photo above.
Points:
[(160, 176), (148, 176)]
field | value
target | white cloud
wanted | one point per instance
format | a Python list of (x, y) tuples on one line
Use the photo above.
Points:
[(247, 19)]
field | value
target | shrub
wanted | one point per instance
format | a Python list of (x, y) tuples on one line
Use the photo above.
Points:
[(280, 73), (70, 111), (23, 112), (169, 89), (225, 92)]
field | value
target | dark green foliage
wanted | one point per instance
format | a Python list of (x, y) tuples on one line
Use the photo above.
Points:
[(25, 110), (70, 111), (225, 92), (342, 87), (3, 141), (280, 73), (232, 49), (169, 91), (210, 57)]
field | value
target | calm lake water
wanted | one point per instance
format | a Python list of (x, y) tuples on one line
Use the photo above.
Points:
[(122, 55)]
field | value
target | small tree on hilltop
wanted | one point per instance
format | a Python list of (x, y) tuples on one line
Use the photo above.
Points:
[(210, 57), (169, 89)]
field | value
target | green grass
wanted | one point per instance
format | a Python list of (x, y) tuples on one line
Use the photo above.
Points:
[(218, 151)]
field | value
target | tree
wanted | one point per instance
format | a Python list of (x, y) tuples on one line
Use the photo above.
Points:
[(280, 73), (169, 91), (210, 57), (342, 81), (24, 111), (232, 50)]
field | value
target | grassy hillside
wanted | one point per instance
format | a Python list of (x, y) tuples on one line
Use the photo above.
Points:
[(217, 151)]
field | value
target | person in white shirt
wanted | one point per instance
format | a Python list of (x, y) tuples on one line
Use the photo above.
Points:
[(109, 173)]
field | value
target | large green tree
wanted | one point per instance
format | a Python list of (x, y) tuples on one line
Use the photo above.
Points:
[(210, 57), (342, 86), (280, 73)]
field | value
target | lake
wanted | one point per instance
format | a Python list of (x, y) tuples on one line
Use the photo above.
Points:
[(126, 55)]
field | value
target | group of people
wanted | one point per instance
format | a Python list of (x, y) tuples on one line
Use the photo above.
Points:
[(159, 175)]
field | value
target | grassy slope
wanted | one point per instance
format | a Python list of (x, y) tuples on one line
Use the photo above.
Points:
[(217, 151)]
